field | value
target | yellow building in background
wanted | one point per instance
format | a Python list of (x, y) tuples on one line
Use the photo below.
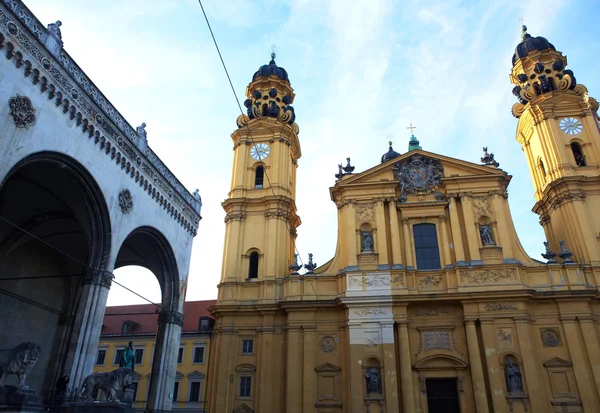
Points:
[(138, 323), (430, 303)]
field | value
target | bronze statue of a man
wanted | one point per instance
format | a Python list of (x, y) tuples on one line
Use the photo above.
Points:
[(128, 359)]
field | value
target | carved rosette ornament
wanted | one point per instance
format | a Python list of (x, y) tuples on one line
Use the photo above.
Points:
[(125, 201), (418, 174), (97, 277), (22, 111), (170, 317)]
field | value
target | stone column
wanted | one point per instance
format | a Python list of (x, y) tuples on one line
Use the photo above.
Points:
[(535, 389), (309, 376), (164, 363), (477, 377), (87, 324), (578, 358), (591, 343), (459, 250), (407, 244), (382, 246), (395, 234), (406, 376), (472, 232)]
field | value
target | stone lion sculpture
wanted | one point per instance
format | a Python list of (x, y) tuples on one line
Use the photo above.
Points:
[(109, 383), (20, 361)]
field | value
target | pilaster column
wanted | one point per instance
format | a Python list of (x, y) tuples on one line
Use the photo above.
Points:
[(591, 344), (266, 365), (395, 234), (459, 250), (446, 254), (407, 244), (495, 373), (535, 390), (87, 324), (309, 376), (164, 364), (477, 377), (502, 236), (406, 376), (382, 246), (390, 377), (294, 370), (351, 239), (471, 228), (576, 350)]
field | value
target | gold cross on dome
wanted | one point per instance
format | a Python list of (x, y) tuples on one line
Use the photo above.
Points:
[(411, 127)]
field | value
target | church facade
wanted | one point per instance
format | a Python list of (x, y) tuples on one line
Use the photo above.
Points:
[(430, 303)]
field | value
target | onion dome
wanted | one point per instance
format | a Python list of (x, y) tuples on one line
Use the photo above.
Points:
[(530, 44), (271, 70), (390, 154)]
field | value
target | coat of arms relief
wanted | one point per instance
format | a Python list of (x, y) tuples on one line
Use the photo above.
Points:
[(418, 174)]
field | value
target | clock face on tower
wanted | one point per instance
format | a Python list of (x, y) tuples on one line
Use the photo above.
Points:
[(570, 126), (260, 151)]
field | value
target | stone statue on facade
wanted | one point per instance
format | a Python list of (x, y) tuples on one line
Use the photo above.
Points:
[(549, 255), (311, 266), (486, 234), (367, 241), (196, 195), (513, 377), (348, 169), (54, 29), (128, 358), (488, 158), (373, 380), (565, 254), (109, 383), (340, 173), (295, 267), (141, 131)]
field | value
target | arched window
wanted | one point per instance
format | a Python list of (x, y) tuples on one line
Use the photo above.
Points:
[(426, 247), (578, 154), (541, 166), (253, 270), (259, 177)]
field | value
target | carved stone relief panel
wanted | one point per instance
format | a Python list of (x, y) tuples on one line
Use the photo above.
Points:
[(431, 311), (550, 337), (482, 207), (500, 307), (430, 282), (375, 281), (488, 277), (354, 282), (505, 336), (327, 344), (372, 339), (365, 214), (440, 338)]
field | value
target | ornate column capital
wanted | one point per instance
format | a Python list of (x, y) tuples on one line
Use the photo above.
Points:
[(98, 277), (170, 317), (442, 218)]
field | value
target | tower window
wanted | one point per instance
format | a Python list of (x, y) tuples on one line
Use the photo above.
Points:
[(253, 270), (541, 166), (426, 247), (578, 154), (259, 177)]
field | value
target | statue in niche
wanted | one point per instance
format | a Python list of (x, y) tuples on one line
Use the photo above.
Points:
[(373, 381), (513, 377), (486, 234), (367, 241)]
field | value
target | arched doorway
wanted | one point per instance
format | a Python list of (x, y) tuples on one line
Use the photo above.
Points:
[(147, 247), (54, 249)]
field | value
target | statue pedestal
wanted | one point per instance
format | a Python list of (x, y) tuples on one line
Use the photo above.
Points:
[(13, 400), (98, 407)]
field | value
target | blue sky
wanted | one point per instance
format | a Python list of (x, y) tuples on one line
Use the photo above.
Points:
[(362, 71)]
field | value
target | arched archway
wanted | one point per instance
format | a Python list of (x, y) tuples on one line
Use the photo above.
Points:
[(54, 243), (148, 247)]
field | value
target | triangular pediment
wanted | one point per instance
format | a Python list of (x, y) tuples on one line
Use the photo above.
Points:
[(243, 408), (327, 367), (557, 362), (178, 375), (452, 168), (196, 375)]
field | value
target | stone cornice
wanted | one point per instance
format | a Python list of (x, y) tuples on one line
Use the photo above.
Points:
[(58, 74)]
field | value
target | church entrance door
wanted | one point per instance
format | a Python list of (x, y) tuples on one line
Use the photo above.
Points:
[(442, 396)]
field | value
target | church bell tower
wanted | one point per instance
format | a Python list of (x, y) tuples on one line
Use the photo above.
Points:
[(261, 217), (559, 133)]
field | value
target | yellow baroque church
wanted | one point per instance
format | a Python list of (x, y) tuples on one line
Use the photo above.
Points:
[(430, 303)]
